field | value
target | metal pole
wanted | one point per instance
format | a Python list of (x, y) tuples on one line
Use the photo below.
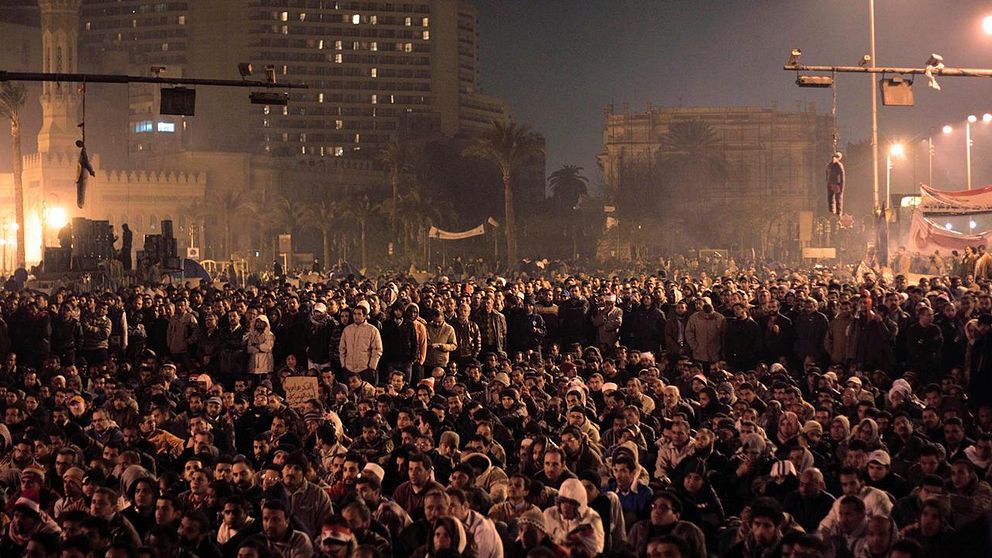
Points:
[(874, 104), (888, 178), (117, 78), (930, 157), (967, 151)]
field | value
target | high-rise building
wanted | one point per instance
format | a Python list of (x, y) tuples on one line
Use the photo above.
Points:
[(375, 70)]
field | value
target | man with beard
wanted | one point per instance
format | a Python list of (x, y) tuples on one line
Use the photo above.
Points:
[(811, 502), (676, 342), (291, 332), (399, 343), (574, 317), (359, 520), (765, 531), (492, 327), (467, 336), (410, 494), (308, 502), (385, 512), (810, 328), (279, 534), (645, 326), (244, 479), (194, 529)]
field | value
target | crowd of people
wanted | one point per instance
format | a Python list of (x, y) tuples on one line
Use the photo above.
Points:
[(749, 414)]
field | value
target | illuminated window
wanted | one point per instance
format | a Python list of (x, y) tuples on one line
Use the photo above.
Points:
[(358, 138), (374, 72), (303, 138), (427, 35), (89, 26), (320, 44), (338, 151), (182, 20), (265, 123), (339, 124), (337, 45), (374, 45), (355, 45), (303, 150), (303, 16), (375, 98), (166, 127), (265, 110), (284, 16), (356, 19), (407, 47), (408, 21), (285, 110), (338, 58), (321, 150), (373, 19), (320, 97), (285, 30), (165, 47), (143, 126), (425, 22)]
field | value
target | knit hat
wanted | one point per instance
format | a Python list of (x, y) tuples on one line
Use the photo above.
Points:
[(375, 470), (27, 505), (73, 474), (812, 425), (312, 416), (783, 468), (535, 519), (502, 378), (297, 458)]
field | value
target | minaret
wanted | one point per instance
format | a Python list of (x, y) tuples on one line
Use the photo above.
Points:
[(59, 101)]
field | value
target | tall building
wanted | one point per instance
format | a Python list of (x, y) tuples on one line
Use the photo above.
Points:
[(375, 70), (768, 152)]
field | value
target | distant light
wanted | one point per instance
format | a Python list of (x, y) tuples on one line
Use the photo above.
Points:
[(356, 19), (896, 150), (987, 25), (947, 129), (56, 217), (972, 118), (972, 224), (948, 226), (987, 117)]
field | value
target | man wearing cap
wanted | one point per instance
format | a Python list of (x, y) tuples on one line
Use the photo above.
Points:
[(307, 502), (532, 536), (880, 475), (26, 522)]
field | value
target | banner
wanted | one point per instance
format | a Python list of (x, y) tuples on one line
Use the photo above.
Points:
[(956, 202), (925, 236), (300, 389), (447, 235)]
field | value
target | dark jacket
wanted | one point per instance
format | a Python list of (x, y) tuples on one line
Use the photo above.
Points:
[(742, 343), (644, 328)]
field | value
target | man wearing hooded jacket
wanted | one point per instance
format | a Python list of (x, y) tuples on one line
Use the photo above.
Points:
[(571, 512)]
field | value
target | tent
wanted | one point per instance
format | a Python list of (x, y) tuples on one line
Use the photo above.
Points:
[(192, 270)]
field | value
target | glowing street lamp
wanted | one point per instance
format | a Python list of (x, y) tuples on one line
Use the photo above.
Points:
[(56, 217), (947, 129), (987, 25), (895, 150)]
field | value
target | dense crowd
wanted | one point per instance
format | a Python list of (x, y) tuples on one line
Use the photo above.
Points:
[(752, 414)]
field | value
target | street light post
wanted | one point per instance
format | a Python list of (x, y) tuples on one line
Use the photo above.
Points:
[(930, 161), (896, 150), (874, 104), (967, 147)]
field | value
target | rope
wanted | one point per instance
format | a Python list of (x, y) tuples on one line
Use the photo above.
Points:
[(833, 109)]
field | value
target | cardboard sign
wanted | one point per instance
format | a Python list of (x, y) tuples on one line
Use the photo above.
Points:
[(300, 389)]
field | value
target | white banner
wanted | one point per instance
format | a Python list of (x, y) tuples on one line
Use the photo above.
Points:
[(447, 235)]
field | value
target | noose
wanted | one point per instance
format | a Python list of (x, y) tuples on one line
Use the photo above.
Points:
[(833, 109), (84, 168)]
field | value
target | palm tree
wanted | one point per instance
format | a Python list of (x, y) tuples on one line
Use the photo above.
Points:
[(568, 184), (510, 146), (12, 98), (419, 213), (321, 215), (396, 156), (362, 210), (691, 157), (226, 206)]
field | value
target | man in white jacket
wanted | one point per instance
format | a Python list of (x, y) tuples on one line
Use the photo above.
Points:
[(361, 346), (487, 540), (572, 511), (852, 482)]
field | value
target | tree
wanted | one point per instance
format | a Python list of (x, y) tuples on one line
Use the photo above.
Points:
[(12, 98), (362, 210), (567, 185), (396, 156), (690, 158), (510, 146), (225, 206), (418, 212), (321, 216)]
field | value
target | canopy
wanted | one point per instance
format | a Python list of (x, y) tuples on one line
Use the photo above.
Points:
[(192, 269), (925, 236)]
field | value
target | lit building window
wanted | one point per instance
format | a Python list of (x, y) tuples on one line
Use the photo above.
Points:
[(285, 30), (338, 45), (285, 69), (408, 21), (356, 19), (143, 126), (407, 47), (165, 47), (285, 136), (320, 97), (355, 45), (373, 19), (374, 45), (338, 151), (375, 98), (427, 35), (358, 138), (303, 150), (166, 127), (303, 16), (339, 124), (89, 26), (426, 22), (182, 20), (284, 16), (321, 150), (374, 72), (320, 44), (265, 122), (303, 138), (265, 109), (285, 110), (338, 58)]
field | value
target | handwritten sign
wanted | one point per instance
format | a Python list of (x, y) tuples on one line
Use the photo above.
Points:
[(300, 389)]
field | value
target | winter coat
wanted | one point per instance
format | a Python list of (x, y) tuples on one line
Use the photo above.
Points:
[(810, 329), (181, 332), (399, 341), (319, 339), (645, 328), (361, 347), (573, 317), (607, 324), (835, 343), (871, 342), (742, 343), (558, 527), (676, 341), (704, 334), (443, 335), (259, 346), (468, 338)]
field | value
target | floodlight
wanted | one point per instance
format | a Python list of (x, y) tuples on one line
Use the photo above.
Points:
[(947, 129), (814, 81), (794, 57), (972, 118), (987, 117), (896, 150), (245, 69)]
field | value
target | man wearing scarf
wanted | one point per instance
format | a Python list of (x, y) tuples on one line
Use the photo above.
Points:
[(27, 521)]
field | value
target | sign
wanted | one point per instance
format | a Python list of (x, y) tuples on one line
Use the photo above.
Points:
[(819, 253), (300, 389), (192, 253), (435, 232), (285, 244)]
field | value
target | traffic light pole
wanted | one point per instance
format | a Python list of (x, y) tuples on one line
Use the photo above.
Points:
[(115, 78)]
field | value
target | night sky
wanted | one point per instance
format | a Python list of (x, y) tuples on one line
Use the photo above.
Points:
[(560, 62)]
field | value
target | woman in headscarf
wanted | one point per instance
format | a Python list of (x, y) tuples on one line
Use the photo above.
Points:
[(446, 538), (700, 503), (867, 432), (260, 343)]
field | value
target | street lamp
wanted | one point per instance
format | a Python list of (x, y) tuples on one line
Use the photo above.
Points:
[(987, 25), (895, 150)]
